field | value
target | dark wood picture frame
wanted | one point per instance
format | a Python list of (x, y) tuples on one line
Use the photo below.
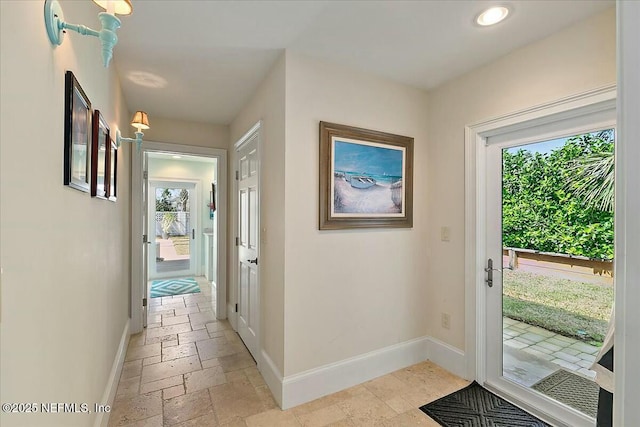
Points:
[(366, 178), (100, 149), (77, 135), (112, 182)]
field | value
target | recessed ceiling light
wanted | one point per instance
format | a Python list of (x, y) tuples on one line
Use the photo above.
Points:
[(492, 16), (177, 157)]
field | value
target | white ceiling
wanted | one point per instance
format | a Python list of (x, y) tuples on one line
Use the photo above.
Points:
[(210, 56)]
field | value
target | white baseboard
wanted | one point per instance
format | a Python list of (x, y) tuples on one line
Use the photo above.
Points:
[(306, 386), (450, 358), (312, 384), (102, 418), (272, 376)]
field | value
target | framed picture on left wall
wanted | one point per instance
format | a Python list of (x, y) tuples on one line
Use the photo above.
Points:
[(100, 148), (77, 135)]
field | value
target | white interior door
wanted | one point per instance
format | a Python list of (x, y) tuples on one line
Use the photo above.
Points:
[(248, 238)]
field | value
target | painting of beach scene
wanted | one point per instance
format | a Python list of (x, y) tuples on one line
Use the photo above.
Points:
[(366, 178)]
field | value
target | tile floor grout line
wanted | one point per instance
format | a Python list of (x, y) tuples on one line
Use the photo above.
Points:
[(266, 412)]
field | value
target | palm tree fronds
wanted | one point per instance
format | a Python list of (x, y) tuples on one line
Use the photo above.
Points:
[(592, 179)]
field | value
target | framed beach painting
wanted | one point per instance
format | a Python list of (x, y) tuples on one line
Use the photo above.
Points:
[(100, 147), (366, 178), (77, 135)]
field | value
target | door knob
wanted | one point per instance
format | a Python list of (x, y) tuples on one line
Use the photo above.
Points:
[(253, 261)]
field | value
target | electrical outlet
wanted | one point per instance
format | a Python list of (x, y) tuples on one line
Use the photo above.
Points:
[(446, 321)]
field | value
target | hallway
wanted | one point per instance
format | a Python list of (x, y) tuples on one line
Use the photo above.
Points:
[(188, 369)]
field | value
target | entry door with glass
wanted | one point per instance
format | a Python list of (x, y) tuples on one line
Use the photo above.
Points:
[(548, 271), (172, 223)]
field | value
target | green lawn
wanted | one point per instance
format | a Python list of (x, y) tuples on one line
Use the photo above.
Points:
[(573, 309), (181, 243)]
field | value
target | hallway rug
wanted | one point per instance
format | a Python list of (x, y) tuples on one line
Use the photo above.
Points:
[(571, 389), (165, 288), (476, 406)]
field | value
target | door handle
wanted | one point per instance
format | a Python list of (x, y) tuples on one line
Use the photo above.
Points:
[(489, 270), (193, 233), (253, 261)]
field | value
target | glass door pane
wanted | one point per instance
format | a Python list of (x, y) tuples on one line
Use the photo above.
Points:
[(173, 230), (557, 264)]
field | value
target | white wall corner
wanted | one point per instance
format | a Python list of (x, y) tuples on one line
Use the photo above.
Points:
[(450, 358), (102, 418), (232, 316), (272, 376), (315, 383)]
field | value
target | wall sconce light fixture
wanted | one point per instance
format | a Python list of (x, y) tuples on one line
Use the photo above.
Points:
[(140, 121), (56, 25)]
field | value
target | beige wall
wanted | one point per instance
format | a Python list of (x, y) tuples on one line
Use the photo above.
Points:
[(187, 133), (349, 292), (65, 255), (267, 105), (575, 60)]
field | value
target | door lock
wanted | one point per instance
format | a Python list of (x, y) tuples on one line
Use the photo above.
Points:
[(253, 261)]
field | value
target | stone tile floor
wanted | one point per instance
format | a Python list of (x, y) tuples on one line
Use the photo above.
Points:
[(531, 353), (188, 369)]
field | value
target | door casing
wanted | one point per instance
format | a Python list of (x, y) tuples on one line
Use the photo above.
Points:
[(137, 227), (596, 107)]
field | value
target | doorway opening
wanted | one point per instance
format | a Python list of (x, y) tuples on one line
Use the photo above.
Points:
[(181, 223), (557, 264), (179, 213)]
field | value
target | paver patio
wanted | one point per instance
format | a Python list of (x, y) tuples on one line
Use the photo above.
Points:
[(531, 353)]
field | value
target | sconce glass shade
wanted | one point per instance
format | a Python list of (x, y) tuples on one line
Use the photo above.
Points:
[(120, 7), (140, 120)]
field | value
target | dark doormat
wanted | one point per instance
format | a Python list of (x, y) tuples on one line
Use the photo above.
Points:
[(477, 406), (571, 389)]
